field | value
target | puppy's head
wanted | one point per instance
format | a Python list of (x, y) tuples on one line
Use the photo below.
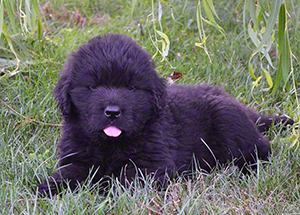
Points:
[(109, 87)]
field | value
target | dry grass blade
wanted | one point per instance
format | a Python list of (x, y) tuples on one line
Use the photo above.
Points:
[(151, 210), (28, 120)]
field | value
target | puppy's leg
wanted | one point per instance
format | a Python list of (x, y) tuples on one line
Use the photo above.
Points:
[(71, 174), (235, 135), (264, 122)]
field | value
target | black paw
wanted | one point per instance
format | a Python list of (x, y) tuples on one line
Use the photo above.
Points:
[(286, 121), (48, 189)]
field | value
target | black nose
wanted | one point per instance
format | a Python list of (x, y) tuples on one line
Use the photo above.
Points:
[(112, 111)]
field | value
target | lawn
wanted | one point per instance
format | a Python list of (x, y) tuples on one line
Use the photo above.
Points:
[(168, 30)]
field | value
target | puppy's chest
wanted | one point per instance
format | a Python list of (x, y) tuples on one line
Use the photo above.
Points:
[(110, 159)]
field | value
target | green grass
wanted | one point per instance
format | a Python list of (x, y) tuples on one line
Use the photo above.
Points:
[(28, 151)]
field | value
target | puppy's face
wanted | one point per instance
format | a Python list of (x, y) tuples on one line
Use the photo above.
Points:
[(110, 89), (112, 111)]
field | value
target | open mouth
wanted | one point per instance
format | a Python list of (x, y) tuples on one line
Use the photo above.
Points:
[(112, 131)]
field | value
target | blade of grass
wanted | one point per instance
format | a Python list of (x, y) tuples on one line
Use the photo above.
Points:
[(201, 31), (211, 20), (160, 13), (1, 17), (284, 46), (28, 15), (165, 43), (268, 78), (252, 11), (271, 22), (250, 66), (35, 7), (199, 21), (8, 39), (284, 51), (133, 4), (9, 5), (253, 35), (212, 8), (207, 11)]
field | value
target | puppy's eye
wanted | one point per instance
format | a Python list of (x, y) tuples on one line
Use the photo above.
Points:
[(132, 88), (93, 87)]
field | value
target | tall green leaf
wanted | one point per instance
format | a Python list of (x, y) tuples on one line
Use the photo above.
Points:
[(211, 20), (284, 50), (35, 7), (9, 6), (271, 22), (212, 7), (1, 17), (165, 43), (133, 4), (252, 11)]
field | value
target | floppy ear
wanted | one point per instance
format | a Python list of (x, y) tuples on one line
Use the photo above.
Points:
[(160, 96), (61, 93)]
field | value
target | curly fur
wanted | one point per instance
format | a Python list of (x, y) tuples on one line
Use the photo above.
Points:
[(163, 128)]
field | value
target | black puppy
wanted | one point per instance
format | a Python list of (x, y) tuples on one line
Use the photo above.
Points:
[(118, 112)]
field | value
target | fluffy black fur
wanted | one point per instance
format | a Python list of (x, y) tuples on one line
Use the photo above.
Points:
[(162, 127)]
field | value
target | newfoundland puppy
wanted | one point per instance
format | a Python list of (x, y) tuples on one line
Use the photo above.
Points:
[(120, 117)]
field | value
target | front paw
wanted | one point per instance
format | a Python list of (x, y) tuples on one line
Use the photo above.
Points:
[(49, 189)]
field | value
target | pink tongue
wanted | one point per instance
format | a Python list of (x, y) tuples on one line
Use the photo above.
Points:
[(112, 131)]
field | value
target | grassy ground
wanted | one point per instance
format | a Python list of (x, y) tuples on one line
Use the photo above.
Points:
[(28, 152)]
